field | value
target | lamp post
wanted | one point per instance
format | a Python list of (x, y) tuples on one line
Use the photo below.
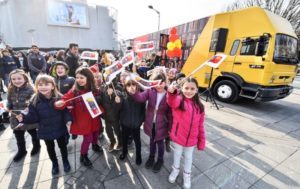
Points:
[(151, 7)]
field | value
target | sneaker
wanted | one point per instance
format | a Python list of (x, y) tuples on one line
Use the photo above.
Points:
[(85, 160), (20, 155), (174, 174), (55, 169), (67, 166), (122, 156), (186, 180), (97, 148), (111, 147), (149, 163), (157, 166), (2, 127), (119, 147)]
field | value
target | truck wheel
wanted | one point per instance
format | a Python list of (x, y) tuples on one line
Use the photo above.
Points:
[(226, 91)]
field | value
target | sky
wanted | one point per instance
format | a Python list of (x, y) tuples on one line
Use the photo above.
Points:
[(136, 19)]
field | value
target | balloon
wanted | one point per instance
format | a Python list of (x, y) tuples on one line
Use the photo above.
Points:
[(173, 38), (178, 44), (170, 54), (177, 52), (170, 46), (173, 31)]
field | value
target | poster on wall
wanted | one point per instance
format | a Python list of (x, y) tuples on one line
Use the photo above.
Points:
[(67, 14)]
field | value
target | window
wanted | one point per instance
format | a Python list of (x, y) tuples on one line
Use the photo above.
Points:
[(286, 49), (234, 47), (248, 47)]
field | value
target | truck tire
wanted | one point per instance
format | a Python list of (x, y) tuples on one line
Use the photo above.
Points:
[(226, 91)]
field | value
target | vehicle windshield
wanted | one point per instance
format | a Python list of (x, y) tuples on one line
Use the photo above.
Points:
[(286, 49)]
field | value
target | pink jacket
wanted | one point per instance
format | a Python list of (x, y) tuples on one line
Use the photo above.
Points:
[(188, 126)]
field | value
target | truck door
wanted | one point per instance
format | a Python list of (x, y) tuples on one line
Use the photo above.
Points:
[(246, 62)]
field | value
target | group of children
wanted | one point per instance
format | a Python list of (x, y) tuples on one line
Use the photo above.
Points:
[(170, 110)]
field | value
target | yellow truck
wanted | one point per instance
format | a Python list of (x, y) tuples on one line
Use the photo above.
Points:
[(261, 49)]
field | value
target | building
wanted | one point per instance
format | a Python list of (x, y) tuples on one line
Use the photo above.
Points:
[(56, 23)]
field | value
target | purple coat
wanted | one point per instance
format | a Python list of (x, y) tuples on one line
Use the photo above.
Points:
[(163, 117)]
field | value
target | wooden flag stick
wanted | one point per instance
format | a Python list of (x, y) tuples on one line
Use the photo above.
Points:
[(114, 88)]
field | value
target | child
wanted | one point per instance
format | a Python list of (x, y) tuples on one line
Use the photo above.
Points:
[(179, 77), (157, 121), (52, 123), (59, 71), (171, 75), (131, 119), (188, 127), (111, 116), (83, 123), (20, 92)]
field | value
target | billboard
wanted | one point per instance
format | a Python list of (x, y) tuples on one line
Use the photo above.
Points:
[(67, 14)]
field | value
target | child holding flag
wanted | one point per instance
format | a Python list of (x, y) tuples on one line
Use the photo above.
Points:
[(83, 123), (157, 122)]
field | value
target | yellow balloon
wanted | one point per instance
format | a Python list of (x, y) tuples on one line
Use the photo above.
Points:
[(170, 46), (177, 43)]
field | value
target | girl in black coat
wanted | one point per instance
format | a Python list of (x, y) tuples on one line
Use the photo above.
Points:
[(132, 115)]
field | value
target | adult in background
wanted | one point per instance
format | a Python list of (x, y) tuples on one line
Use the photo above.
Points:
[(23, 61), (72, 58), (8, 64), (36, 62)]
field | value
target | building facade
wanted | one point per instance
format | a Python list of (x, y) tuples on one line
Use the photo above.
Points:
[(56, 23)]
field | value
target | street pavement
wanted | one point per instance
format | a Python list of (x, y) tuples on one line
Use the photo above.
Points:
[(249, 145)]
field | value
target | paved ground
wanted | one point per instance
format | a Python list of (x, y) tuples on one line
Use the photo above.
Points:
[(249, 145)]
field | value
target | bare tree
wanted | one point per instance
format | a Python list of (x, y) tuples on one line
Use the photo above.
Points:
[(289, 9)]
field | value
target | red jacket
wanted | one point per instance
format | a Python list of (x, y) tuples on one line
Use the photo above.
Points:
[(83, 123), (188, 126)]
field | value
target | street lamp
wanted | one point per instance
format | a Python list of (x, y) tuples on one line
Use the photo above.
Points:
[(151, 7)]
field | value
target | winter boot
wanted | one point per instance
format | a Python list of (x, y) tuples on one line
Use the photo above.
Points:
[(186, 180), (55, 169), (85, 160), (67, 166), (149, 163), (21, 152)]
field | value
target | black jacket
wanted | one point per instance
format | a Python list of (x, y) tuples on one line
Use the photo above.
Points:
[(72, 62), (132, 113), (52, 122), (111, 108), (64, 84)]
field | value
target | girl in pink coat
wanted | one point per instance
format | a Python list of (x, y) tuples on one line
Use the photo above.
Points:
[(187, 128)]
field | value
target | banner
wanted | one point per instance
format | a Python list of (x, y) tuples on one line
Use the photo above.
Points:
[(144, 46), (117, 67), (145, 84), (89, 55), (91, 104), (216, 60)]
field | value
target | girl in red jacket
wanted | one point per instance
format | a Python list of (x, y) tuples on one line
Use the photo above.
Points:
[(187, 128), (83, 123)]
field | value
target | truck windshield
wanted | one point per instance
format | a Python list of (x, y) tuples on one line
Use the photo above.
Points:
[(285, 49)]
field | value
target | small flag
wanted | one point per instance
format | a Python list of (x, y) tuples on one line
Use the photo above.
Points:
[(144, 46), (145, 84), (117, 67), (91, 104), (216, 60), (89, 55)]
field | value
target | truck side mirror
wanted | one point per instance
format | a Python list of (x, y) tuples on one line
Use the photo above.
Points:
[(262, 44)]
